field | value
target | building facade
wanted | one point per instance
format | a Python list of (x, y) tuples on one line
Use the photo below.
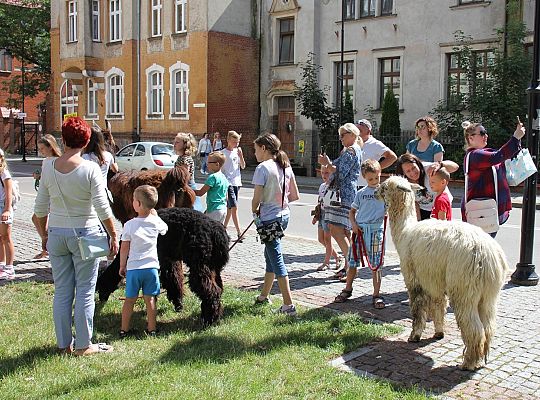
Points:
[(170, 66), (407, 44)]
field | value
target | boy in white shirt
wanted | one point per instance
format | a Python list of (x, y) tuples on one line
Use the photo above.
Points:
[(234, 161), (138, 257)]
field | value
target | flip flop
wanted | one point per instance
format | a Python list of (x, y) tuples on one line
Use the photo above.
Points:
[(340, 274), (94, 349), (378, 302), (323, 267)]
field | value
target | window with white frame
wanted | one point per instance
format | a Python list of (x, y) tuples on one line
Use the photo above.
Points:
[(92, 99), (72, 21), (115, 20), (6, 62), (114, 97), (154, 96), (387, 7), (350, 9), (96, 37), (69, 99), (367, 8), (179, 90), (156, 17), (180, 16), (458, 77)]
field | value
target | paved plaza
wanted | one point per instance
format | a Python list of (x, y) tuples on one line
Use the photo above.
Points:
[(512, 371)]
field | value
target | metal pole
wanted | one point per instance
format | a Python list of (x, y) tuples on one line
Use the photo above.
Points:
[(524, 273), (340, 77), (138, 70), (23, 138)]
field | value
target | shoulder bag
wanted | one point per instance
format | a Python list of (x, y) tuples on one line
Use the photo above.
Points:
[(483, 212), (519, 168), (90, 247), (273, 230)]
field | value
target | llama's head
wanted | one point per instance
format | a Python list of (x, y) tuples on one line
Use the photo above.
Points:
[(397, 193), (175, 190)]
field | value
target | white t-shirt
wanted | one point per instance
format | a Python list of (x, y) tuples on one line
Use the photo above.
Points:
[(5, 175), (231, 168), (425, 202), (142, 233), (109, 159), (373, 150), (269, 175)]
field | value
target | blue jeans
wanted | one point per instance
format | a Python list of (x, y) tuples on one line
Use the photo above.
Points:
[(272, 251), (74, 279), (204, 163)]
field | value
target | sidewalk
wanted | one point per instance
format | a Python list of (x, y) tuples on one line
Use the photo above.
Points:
[(514, 362)]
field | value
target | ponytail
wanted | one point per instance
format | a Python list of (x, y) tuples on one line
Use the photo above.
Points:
[(282, 159)]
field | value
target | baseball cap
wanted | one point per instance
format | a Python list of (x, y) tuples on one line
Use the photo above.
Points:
[(364, 122)]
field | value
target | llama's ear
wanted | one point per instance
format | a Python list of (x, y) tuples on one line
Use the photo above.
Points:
[(403, 188), (415, 187)]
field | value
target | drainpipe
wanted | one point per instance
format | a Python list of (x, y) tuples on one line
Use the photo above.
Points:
[(138, 128)]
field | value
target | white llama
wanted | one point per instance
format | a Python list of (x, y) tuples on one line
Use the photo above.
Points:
[(451, 258)]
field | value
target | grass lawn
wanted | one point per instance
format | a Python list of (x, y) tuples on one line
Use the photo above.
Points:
[(252, 354)]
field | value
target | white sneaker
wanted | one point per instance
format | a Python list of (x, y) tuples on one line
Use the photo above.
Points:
[(287, 310), (7, 274)]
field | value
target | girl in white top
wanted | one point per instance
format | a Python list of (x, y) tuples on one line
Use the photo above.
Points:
[(7, 251), (95, 151), (234, 161), (205, 148), (217, 144)]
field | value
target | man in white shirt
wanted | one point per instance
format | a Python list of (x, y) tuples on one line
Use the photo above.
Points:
[(373, 150)]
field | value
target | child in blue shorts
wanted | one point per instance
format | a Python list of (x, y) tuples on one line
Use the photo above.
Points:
[(138, 257)]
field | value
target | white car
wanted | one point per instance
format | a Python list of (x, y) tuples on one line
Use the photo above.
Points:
[(146, 155)]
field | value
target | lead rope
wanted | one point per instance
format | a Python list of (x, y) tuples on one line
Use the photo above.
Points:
[(242, 235), (363, 249)]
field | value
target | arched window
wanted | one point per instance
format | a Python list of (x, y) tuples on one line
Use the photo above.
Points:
[(114, 94), (154, 96), (69, 99), (179, 90)]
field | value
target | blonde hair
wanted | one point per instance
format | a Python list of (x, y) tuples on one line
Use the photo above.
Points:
[(371, 166), (219, 156), (233, 135), (3, 161), (190, 144), (50, 142), (147, 195), (349, 128), (443, 174)]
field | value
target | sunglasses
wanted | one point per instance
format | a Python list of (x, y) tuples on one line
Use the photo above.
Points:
[(482, 133), (212, 162)]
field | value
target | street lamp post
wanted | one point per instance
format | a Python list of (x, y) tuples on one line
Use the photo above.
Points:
[(340, 78), (23, 131), (524, 273)]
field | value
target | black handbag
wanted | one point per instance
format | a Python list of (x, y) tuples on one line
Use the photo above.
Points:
[(273, 230)]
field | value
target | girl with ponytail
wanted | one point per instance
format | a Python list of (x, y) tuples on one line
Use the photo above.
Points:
[(275, 188)]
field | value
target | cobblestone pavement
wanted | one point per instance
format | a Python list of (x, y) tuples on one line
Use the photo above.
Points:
[(512, 371)]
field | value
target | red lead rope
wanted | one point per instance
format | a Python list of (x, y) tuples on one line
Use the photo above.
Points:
[(363, 249)]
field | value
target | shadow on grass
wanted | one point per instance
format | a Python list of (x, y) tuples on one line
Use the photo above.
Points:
[(222, 347), (9, 365)]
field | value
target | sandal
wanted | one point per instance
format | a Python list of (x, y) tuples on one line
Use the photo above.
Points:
[(124, 334), (151, 333), (323, 267), (340, 274), (339, 262), (378, 302), (44, 254), (94, 349), (343, 296), (259, 301)]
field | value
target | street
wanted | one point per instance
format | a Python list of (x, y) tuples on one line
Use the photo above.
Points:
[(300, 224)]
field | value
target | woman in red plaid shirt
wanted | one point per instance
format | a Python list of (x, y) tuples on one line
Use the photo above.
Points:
[(481, 159)]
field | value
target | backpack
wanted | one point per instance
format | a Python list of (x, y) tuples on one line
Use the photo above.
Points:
[(15, 192)]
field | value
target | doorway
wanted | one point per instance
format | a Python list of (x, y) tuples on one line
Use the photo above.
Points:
[(286, 124)]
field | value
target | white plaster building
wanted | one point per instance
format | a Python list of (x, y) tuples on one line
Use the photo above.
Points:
[(405, 43)]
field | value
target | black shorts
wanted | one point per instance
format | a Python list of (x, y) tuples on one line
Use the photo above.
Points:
[(232, 196)]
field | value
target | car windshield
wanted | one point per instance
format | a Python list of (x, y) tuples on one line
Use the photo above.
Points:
[(163, 149)]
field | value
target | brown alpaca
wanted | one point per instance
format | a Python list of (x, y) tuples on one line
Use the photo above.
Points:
[(173, 191)]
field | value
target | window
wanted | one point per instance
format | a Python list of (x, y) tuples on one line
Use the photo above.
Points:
[(350, 9), (286, 41), (115, 20), (127, 151), (179, 90), (154, 95), (139, 151), (156, 17), (96, 37), (6, 62), (390, 77), (348, 79), (367, 8), (180, 16), (72, 21), (114, 93), (69, 99), (387, 7), (92, 100), (458, 81)]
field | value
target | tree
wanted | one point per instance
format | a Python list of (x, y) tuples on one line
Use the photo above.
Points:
[(390, 125), (496, 97), (313, 103), (25, 32)]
